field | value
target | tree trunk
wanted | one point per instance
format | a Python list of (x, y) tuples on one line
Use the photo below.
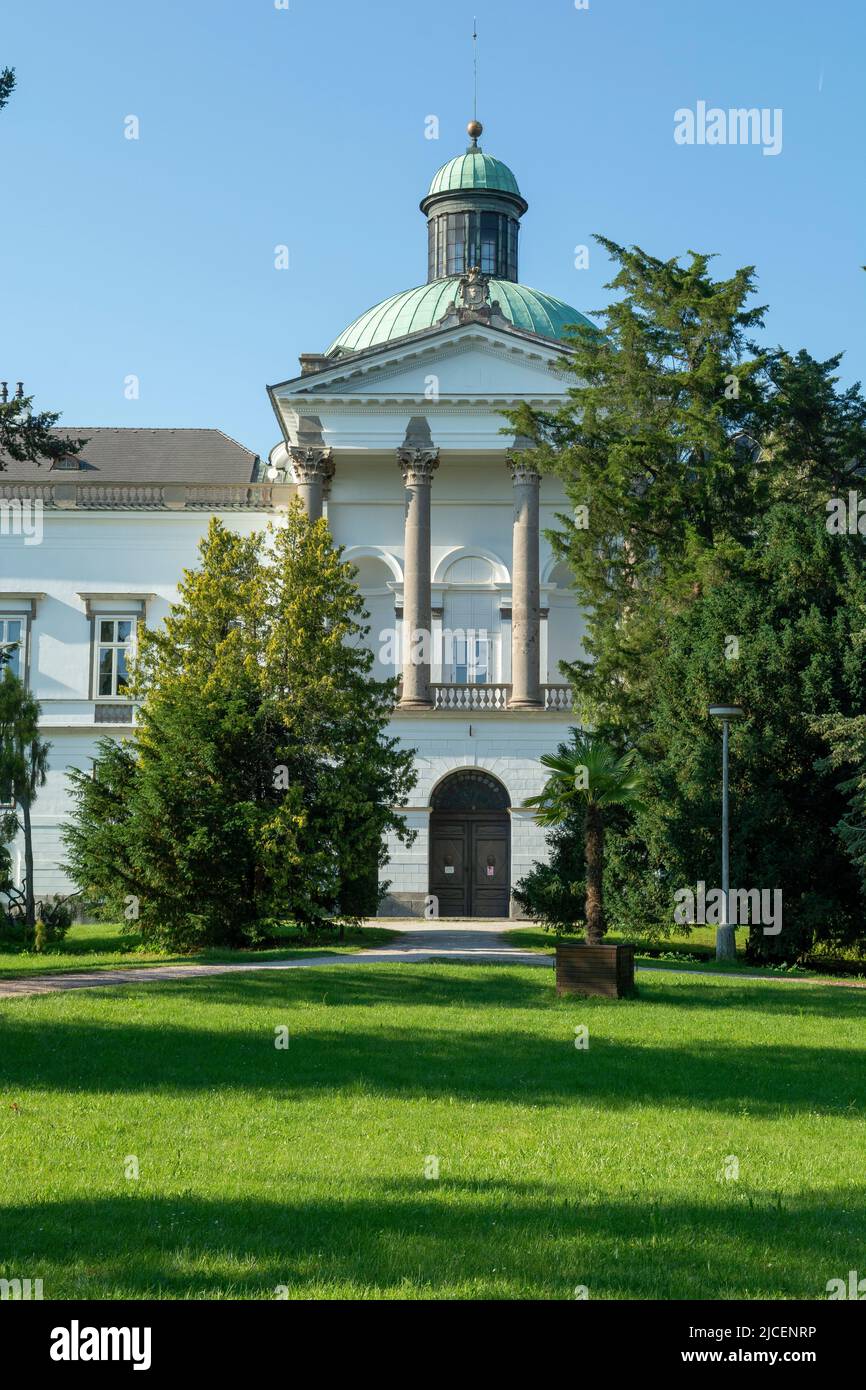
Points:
[(594, 831), (29, 896), (726, 943)]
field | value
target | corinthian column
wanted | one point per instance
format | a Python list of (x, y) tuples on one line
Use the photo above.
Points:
[(417, 463), (525, 603), (311, 467)]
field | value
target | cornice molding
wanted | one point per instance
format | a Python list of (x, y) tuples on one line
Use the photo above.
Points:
[(398, 405), (442, 353), (384, 362), (28, 601), (93, 603)]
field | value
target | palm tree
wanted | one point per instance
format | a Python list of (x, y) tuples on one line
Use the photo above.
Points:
[(591, 772)]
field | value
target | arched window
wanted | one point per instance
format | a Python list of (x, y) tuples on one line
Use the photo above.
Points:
[(561, 576), (373, 579), (373, 574), (470, 569), (565, 623), (470, 789), (471, 623)]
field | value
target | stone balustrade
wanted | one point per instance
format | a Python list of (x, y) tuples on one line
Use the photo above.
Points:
[(92, 496), (448, 695), (470, 697), (559, 697)]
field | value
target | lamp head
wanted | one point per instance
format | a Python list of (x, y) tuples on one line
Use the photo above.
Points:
[(727, 712)]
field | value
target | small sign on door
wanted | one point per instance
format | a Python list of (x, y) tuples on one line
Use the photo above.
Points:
[(449, 868), (490, 871)]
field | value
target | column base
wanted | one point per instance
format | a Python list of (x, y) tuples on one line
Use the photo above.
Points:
[(415, 704), (525, 704)]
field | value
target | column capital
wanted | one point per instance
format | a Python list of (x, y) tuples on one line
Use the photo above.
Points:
[(522, 472), (417, 464), (311, 464)]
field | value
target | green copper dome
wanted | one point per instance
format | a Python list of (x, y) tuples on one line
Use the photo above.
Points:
[(473, 209), (414, 310), (474, 170)]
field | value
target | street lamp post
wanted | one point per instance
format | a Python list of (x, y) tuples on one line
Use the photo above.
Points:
[(726, 948)]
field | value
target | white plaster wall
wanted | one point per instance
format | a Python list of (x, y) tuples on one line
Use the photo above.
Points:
[(99, 552), (68, 749), (103, 552), (509, 747), (566, 628), (471, 511), (145, 553), (364, 408)]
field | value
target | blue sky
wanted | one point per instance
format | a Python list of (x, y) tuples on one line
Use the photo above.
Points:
[(306, 127)]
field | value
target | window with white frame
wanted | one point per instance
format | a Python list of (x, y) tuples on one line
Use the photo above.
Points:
[(471, 664), (13, 642), (471, 623), (115, 636)]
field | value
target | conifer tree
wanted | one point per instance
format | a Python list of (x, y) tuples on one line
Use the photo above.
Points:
[(778, 631), (344, 774), (259, 783), (194, 788), (652, 442), (700, 470)]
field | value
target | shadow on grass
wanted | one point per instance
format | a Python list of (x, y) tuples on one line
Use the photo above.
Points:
[(114, 951), (467, 984), (489, 1057), (497, 1239)]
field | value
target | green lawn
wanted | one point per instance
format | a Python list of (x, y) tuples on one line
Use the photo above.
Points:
[(558, 1167), (700, 945), (103, 946), (700, 941)]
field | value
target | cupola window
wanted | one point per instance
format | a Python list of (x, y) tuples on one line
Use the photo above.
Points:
[(473, 209), (460, 240)]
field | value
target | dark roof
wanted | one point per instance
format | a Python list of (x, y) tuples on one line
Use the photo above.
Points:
[(144, 456)]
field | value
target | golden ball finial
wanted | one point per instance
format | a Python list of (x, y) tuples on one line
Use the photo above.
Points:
[(474, 129)]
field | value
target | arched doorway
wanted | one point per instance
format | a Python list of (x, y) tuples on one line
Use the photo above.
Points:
[(470, 841)]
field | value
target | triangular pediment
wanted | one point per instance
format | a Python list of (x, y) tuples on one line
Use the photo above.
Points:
[(467, 362)]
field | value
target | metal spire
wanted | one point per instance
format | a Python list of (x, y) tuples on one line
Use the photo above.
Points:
[(474, 127)]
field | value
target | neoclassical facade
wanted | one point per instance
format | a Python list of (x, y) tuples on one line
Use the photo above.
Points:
[(397, 434), (398, 431)]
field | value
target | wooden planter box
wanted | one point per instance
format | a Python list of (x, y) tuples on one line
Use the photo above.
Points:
[(607, 970)]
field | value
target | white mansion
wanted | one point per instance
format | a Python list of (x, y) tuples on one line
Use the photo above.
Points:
[(396, 433)]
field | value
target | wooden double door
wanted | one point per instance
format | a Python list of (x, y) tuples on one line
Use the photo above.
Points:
[(470, 869)]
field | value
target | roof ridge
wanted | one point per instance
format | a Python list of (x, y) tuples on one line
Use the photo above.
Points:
[(150, 429), (232, 440)]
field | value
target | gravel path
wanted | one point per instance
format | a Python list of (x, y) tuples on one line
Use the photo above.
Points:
[(483, 941)]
